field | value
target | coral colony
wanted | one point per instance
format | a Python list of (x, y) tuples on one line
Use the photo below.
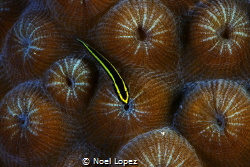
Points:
[(124, 83)]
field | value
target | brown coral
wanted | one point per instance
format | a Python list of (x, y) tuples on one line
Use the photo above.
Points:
[(71, 82), (214, 118), (113, 123), (33, 44), (33, 130), (78, 16), (218, 41), (138, 33), (161, 147)]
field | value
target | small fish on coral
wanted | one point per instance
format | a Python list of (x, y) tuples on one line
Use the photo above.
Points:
[(183, 64)]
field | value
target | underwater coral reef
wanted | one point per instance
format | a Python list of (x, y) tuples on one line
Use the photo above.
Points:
[(124, 82)]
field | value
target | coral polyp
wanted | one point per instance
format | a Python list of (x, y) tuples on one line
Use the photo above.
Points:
[(218, 40), (145, 35), (32, 127), (149, 107), (33, 44), (71, 82), (140, 66), (160, 147), (214, 118)]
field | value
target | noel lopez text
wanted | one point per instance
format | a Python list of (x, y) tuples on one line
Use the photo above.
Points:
[(115, 161)]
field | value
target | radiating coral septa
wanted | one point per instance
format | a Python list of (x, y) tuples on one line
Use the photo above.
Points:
[(33, 129), (160, 147), (214, 118), (34, 43), (71, 82), (218, 36), (145, 35), (149, 107)]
